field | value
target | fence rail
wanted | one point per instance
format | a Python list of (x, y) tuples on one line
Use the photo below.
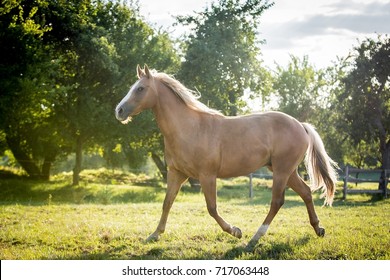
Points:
[(358, 176)]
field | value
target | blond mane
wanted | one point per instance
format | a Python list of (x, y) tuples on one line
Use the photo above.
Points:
[(189, 97)]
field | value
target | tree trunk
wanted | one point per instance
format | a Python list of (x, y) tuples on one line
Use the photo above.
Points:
[(386, 157), (79, 158), (162, 167), (233, 104), (23, 158), (46, 166), (385, 164)]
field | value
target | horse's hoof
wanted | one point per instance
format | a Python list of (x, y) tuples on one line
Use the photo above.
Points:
[(236, 232), (321, 232), (250, 247), (152, 238)]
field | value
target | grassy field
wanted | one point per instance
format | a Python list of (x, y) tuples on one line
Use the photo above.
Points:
[(111, 213)]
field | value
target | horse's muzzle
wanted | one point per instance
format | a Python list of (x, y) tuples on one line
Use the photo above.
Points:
[(123, 113)]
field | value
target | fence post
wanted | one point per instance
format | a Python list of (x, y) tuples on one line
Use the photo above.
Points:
[(345, 182), (386, 174), (250, 186)]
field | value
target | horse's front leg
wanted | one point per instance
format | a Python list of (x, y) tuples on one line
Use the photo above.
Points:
[(210, 192), (175, 180)]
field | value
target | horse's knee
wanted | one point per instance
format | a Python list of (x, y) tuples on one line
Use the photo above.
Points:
[(277, 203)]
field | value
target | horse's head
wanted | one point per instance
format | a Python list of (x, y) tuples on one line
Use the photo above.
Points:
[(142, 95)]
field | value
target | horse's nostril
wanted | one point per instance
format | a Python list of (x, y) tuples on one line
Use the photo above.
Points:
[(119, 112)]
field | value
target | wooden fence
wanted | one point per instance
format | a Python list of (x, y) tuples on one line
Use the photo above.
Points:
[(359, 176)]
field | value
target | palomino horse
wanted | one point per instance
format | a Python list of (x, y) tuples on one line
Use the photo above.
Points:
[(202, 143)]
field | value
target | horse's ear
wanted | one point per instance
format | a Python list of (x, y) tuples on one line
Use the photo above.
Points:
[(140, 72), (147, 72)]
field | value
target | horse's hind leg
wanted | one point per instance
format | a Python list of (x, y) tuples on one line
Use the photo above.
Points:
[(296, 183), (210, 192), (278, 188)]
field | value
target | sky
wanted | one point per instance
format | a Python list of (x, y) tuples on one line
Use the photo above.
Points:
[(321, 29)]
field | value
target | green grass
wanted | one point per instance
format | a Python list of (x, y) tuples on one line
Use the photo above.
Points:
[(111, 213)]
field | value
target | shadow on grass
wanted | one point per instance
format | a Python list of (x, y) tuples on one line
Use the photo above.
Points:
[(38, 193), (266, 251), (263, 251)]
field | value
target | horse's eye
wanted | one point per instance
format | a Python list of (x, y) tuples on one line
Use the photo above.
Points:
[(140, 89)]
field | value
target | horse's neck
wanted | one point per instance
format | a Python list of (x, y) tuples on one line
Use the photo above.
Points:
[(174, 118)]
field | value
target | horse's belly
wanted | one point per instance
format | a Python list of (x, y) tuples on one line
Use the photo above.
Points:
[(241, 162)]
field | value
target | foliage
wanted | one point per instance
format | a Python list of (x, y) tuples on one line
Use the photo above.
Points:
[(364, 104), (24, 65), (59, 92), (66, 64), (222, 54), (298, 88), (332, 99)]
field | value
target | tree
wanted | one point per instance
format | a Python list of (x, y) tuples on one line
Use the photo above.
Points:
[(24, 113), (72, 67), (222, 54), (110, 41), (364, 102), (137, 43), (47, 34), (298, 88)]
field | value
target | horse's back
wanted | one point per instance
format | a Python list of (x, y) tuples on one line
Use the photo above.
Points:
[(268, 125), (285, 134), (252, 141)]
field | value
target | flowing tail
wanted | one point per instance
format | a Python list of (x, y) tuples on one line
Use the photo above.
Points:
[(320, 167)]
